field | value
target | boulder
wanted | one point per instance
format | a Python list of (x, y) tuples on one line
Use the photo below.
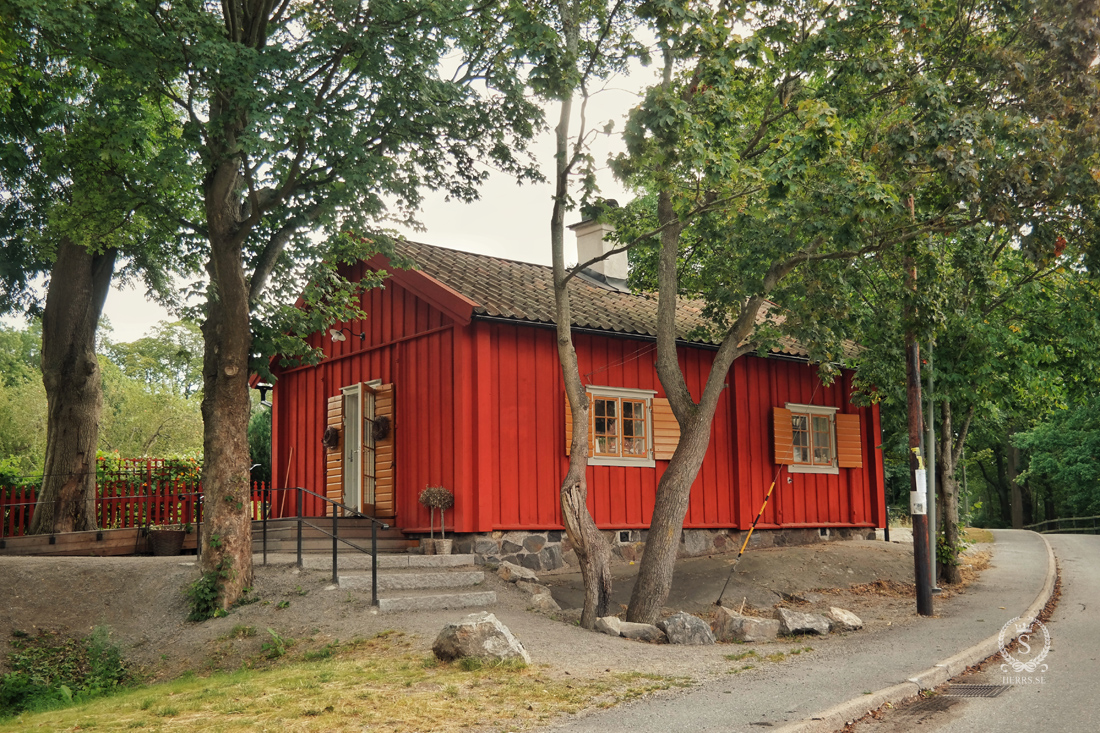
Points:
[(544, 602), (610, 625), (532, 588), (512, 572), (732, 626), (642, 632), (841, 620), (683, 628), (795, 622), (479, 635)]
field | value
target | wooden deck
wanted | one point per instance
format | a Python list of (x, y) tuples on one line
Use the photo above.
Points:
[(282, 537), (99, 543)]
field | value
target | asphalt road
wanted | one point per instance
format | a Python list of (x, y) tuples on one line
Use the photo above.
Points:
[(1065, 700), (795, 689)]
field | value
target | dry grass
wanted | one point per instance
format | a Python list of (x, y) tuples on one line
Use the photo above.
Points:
[(977, 534), (376, 683)]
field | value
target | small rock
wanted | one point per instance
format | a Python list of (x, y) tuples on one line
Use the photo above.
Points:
[(610, 625), (794, 622), (479, 635), (732, 626), (329, 587), (642, 632), (841, 620), (532, 588), (512, 573), (544, 602), (683, 628)]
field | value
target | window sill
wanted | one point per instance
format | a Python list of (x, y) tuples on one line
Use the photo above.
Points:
[(625, 462), (800, 468)]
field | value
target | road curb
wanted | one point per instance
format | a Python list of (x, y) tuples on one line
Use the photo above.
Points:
[(840, 715)]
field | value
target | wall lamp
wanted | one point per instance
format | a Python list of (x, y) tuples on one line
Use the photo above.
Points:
[(338, 334), (263, 388)]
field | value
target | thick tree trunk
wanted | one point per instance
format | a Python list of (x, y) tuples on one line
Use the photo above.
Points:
[(670, 507), (695, 420), (227, 525), (593, 552), (79, 282)]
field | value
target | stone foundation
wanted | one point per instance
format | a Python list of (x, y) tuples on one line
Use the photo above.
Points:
[(550, 550)]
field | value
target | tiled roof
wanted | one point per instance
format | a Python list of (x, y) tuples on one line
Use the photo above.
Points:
[(525, 292)]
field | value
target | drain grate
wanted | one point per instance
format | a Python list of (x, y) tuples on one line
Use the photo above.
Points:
[(974, 690)]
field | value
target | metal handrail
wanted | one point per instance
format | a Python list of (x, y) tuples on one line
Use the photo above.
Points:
[(1074, 525), (336, 538)]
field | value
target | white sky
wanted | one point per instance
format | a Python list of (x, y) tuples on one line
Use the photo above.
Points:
[(509, 221)]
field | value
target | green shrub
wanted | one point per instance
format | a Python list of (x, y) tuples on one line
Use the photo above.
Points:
[(48, 671)]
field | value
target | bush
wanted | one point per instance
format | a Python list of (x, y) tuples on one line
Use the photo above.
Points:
[(48, 671)]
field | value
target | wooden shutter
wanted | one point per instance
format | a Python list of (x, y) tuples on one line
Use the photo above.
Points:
[(569, 425), (849, 443), (783, 437), (666, 431), (384, 505), (334, 457)]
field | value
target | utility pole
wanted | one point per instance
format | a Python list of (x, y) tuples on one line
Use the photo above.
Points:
[(917, 474), (932, 523)]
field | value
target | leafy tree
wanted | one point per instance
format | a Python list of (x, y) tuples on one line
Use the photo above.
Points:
[(143, 418), (171, 357), (304, 115), (830, 134), (81, 151), (259, 444), (574, 45), (1061, 454)]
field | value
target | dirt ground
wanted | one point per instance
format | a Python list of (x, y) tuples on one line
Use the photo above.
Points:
[(141, 600)]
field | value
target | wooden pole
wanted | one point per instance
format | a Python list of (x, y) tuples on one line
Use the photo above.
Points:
[(917, 485)]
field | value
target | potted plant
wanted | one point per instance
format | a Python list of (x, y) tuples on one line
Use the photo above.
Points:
[(167, 539), (438, 497)]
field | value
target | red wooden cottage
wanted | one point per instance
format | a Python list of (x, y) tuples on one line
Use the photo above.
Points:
[(453, 379)]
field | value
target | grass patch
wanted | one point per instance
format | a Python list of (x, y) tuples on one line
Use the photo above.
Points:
[(977, 534), (742, 655), (380, 683)]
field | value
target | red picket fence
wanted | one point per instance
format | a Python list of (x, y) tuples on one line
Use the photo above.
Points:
[(122, 504)]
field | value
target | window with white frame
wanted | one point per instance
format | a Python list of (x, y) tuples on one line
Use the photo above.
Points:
[(813, 438), (626, 427)]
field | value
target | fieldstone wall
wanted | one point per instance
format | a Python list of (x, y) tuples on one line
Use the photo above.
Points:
[(550, 550)]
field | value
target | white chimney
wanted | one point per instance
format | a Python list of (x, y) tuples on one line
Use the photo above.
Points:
[(591, 243)]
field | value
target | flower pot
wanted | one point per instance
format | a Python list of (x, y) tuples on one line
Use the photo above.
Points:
[(443, 547), (165, 542), (427, 546)]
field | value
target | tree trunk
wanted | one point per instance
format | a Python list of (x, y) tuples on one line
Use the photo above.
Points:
[(593, 552), (951, 448), (670, 507), (227, 334), (1012, 461), (79, 282)]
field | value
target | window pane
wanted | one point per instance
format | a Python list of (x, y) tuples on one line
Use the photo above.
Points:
[(628, 409), (800, 438), (611, 405), (600, 408), (822, 440)]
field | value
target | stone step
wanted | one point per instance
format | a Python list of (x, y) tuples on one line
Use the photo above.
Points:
[(325, 545), (399, 580), (360, 561), (427, 601)]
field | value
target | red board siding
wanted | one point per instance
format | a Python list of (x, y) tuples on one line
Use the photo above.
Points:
[(480, 409)]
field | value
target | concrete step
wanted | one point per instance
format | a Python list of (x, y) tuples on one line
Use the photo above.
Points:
[(360, 561), (325, 545), (427, 601), (399, 580)]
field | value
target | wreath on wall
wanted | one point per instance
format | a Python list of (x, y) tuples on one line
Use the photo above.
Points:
[(330, 439), (381, 428)]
